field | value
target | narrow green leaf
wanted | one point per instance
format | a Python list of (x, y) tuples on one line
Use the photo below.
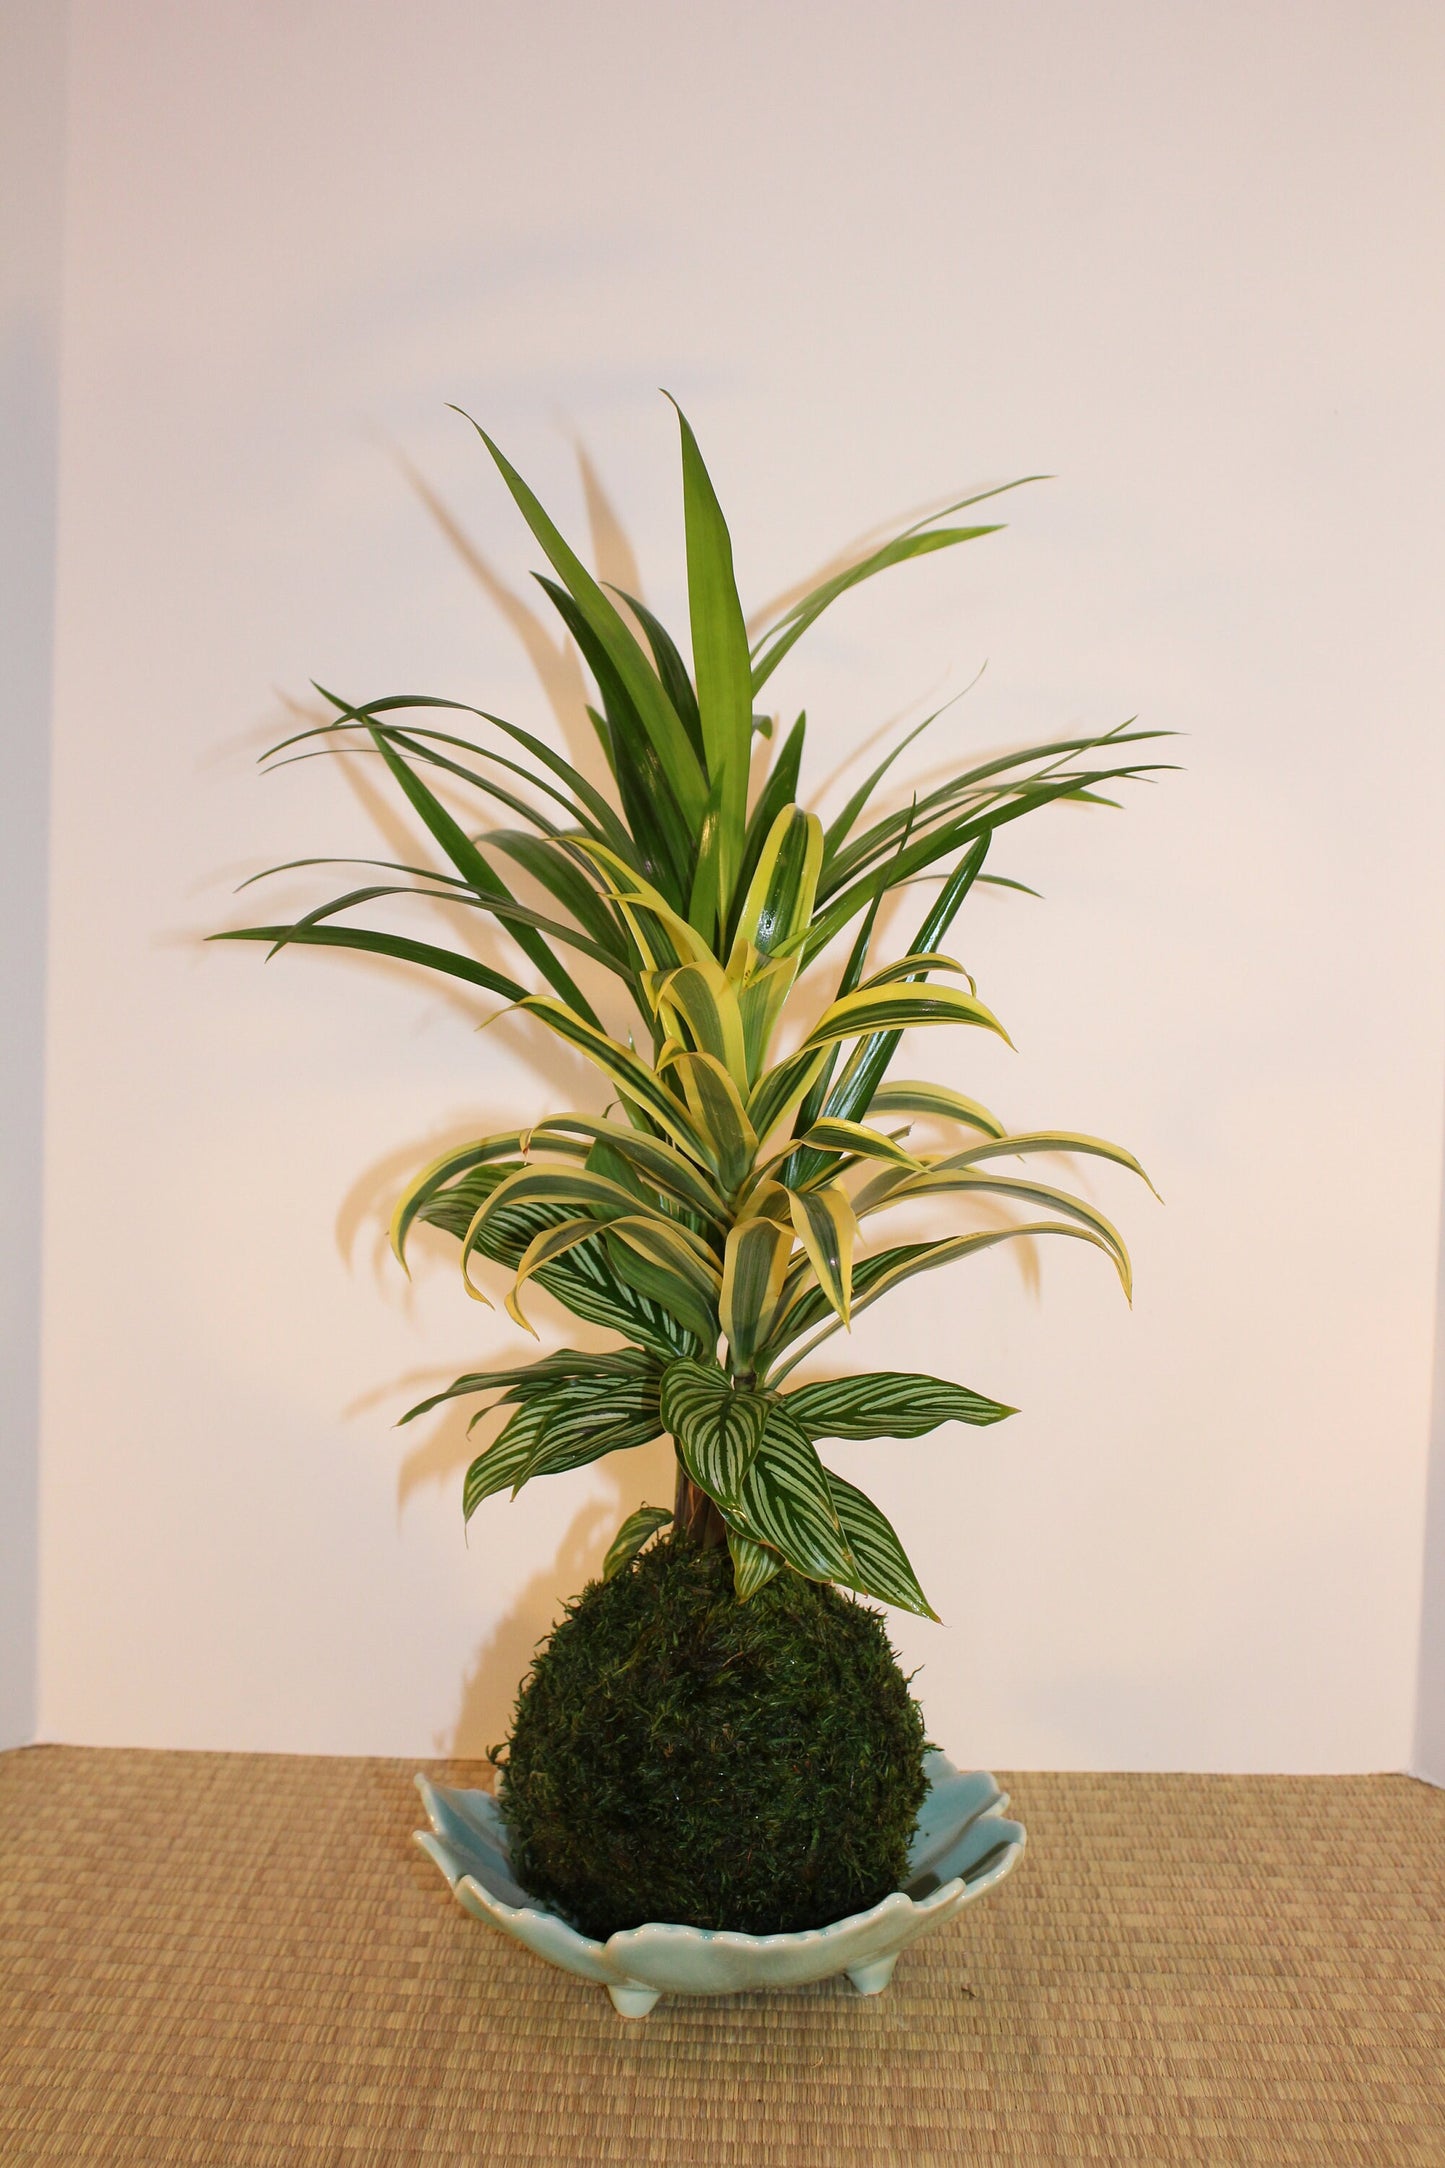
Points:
[(661, 831), (839, 830), (706, 898), (395, 946), (916, 541), (868, 1063), (719, 643), (551, 865), (644, 688), (474, 869), (670, 668), (780, 789), (817, 1093)]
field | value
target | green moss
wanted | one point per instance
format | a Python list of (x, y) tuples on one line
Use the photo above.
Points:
[(677, 1755)]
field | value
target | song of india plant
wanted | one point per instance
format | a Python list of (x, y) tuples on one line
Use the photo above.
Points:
[(724, 1206)]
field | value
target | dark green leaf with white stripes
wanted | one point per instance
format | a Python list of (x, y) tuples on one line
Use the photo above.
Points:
[(716, 1427), (887, 1404), (881, 1567), (753, 1564), (637, 1529), (787, 1505)]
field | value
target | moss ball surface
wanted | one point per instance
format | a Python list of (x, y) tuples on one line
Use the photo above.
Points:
[(677, 1755)]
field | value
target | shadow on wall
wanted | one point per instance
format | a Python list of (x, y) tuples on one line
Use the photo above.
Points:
[(489, 1688), (440, 1457)]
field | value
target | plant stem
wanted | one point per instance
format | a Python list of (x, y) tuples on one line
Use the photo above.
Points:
[(694, 1516)]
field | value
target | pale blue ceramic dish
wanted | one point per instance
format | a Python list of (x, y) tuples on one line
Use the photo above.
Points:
[(962, 1846)]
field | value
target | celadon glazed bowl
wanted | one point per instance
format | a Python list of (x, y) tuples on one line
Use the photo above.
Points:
[(961, 1847)]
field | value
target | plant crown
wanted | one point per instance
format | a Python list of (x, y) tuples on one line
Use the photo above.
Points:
[(712, 1216)]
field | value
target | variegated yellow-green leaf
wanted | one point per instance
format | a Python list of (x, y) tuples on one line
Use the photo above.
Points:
[(443, 1170), (779, 902), (755, 1263), (910, 966), (664, 938), (715, 1425), (637, 1529), (699, 995), (965, 1181), (914, 1096), (658, 1162), (900, 1008), (1043, 1140), (860, 1142), (886, 1269), (550, 1243), (719, 1120), (632, 1076), (775, 1094), (823, 1222), (672, 1266), (775, 916), (576, 1187), (763, 987)]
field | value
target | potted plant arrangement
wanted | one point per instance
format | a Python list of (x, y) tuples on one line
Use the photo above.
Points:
[(716, 1774)]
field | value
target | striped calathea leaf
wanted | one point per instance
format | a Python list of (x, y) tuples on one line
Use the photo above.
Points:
[(716, 1427), (638, 1528), (719, 1203)]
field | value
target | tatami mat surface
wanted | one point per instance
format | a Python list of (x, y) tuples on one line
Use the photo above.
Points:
[(235, 1960)]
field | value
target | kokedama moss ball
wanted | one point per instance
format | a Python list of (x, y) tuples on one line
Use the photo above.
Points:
[(677, 1755)]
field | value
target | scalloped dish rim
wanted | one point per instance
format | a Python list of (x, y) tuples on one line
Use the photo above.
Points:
[(962, 1847)]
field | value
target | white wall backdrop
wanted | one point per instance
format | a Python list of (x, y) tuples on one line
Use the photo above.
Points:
[(1186, 260), (32, 97)]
